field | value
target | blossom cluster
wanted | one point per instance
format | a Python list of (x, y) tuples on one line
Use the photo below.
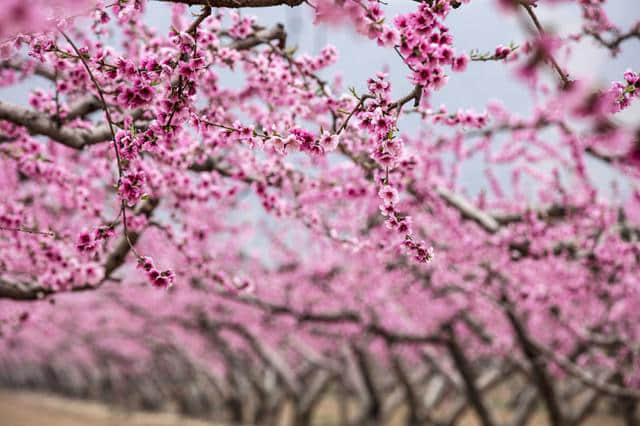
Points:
[(621, 94), (158, 279), (318, 200)]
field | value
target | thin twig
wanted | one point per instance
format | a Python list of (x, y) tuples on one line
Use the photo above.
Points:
[(563, 76), (28, 231), (123, 206), (355, 109)]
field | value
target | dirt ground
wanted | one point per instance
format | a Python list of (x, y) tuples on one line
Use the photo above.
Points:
[(30, 409)]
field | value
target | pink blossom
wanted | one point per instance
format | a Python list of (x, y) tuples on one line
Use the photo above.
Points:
[(389, 195)]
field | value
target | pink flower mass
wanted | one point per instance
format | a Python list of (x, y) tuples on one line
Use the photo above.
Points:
[(283, 239)]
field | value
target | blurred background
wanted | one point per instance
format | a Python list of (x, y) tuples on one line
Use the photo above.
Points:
[(478, 25)]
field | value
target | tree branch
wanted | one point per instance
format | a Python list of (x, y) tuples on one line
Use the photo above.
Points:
[(235, 4), (25, 292), (39, 69), (473, 392), (562, 74), (540, 375), (83, 107), (262, 36), (469, 211), (614, 43), (40, 124)]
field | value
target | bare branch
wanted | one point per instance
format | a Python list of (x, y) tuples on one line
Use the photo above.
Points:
[(473, 392), (373, 408), (83, 107), (562, 74), (262, 36), (237, 3), (468, 210), (614, 43), (40, 124), (526, 408), (540, 374), (39, 69), (193, 28), (586, 378)]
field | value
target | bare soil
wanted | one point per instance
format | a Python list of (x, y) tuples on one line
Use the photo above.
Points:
[(34, 409), (31, 409)]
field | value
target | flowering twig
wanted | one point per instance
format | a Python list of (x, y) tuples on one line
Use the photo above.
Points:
[(123, 206)]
